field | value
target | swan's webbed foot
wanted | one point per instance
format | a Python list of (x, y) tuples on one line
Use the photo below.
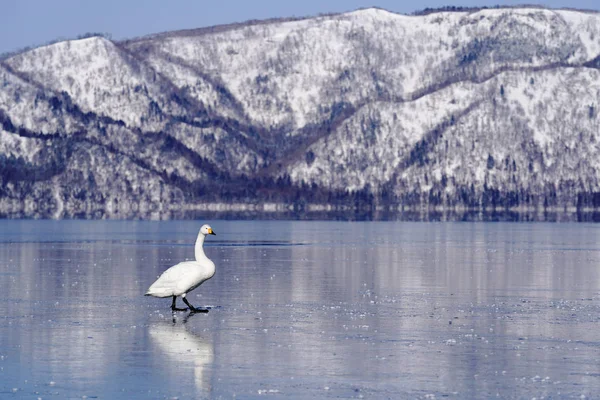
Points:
[(194, 309)]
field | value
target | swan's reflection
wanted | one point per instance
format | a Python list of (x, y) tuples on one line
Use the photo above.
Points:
[(184, 350)]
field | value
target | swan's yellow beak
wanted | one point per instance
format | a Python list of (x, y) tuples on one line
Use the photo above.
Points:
[(211, 232)]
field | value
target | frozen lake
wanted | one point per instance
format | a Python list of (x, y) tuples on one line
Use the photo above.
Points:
[(302, 310)]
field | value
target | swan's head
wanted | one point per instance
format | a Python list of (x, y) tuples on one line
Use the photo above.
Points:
[(207, 230)]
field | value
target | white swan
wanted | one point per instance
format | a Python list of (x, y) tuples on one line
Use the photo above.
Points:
[(185, 276)]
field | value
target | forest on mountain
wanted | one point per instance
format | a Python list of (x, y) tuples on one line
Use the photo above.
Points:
[(366, 113)]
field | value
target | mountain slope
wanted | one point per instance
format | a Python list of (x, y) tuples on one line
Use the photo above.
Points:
[(476, 108)]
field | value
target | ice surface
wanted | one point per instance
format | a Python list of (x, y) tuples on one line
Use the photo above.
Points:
[(302, 310)]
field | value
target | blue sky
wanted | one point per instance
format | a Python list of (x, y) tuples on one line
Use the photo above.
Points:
[(35, 22)]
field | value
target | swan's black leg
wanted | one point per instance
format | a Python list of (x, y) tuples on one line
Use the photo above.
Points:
[(192, 308), (174, 307)]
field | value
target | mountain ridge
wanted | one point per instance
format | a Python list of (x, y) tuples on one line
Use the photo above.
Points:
[(483, 109)]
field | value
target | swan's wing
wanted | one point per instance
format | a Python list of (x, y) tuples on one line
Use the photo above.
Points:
[(174, 281)]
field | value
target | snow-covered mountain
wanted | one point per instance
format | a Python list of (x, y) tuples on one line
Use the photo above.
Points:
[(464, 108)]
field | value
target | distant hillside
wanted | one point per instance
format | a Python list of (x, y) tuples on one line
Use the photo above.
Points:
[(485, 109)]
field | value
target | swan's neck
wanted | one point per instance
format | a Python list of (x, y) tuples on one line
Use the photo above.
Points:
[(199, 250)]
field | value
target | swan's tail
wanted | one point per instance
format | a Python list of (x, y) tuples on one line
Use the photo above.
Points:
[(159, 291)]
